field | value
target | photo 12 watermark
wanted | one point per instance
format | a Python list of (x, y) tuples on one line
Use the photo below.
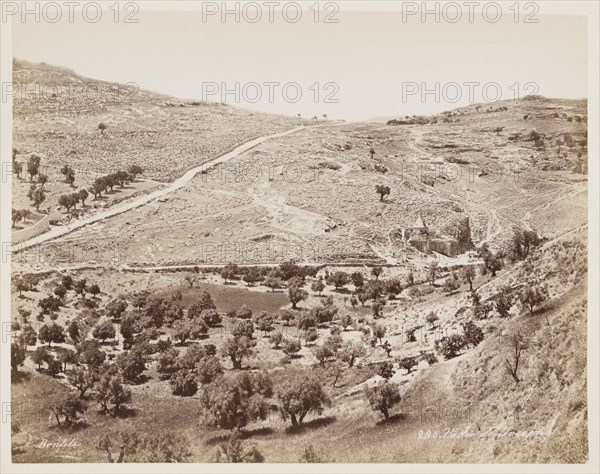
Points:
[(270, 91), (71, 12), (22, 93), (270, 12), (469, 91), (71, 253), (471, 12)]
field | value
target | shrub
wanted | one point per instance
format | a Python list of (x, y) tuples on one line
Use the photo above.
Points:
[(301, 395), (208, 369), (163, 447), (407, 363), (317, 286), (68, 409), (89, 353), (472, 334), (386, 370), (83, 379), (382, 190), (532, 297), (291, 346), (504, 302), (410, 334), (28, 336), (523, 242), (243, 313), (311, 335), (393, 287), (104, 331), (265, 322), (235, 451), (482, 310), (60, 291), (431, 318), (306, 320), (110, 391), (167, 362), (311, 456), (116, 308), (429, 357), (351, 351), (50, 304), (323, 314), (383, 397), (346, 321), (377, 308), (51, 333), (323, 353), (233, 402), (276, 339), (296, 293), (184, 383), (132, 365), (91, 304), (237, 349), (184, 330), (450, 346), (357, 279), (243, 328), (378, 331), (54, 366), (338, 279), (205, 302)]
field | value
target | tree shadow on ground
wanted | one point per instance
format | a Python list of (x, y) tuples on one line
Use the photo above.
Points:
[(141, 379), (243, 434), (309, 425), (72, 427), (20, 377), (391, 420), (124, 413)]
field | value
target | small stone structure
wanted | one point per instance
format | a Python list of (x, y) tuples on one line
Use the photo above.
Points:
[(420, 238)]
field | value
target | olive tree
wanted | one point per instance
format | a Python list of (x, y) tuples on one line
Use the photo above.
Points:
[(300, 395), (383, 397)]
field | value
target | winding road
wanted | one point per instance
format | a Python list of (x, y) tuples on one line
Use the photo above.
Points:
[(138, 201)]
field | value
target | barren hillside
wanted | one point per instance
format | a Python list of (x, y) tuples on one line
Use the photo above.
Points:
[(57, 114), (311, 196)]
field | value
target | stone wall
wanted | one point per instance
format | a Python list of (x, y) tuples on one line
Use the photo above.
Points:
[(445, 247), (41, 226)]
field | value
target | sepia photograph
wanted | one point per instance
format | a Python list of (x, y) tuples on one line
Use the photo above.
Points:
[(337, 236)]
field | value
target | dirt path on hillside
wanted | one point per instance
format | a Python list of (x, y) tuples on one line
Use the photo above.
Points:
[(179, 183), (578, 189)]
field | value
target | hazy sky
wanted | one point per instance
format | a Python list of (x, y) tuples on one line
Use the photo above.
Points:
[(367, 56)]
